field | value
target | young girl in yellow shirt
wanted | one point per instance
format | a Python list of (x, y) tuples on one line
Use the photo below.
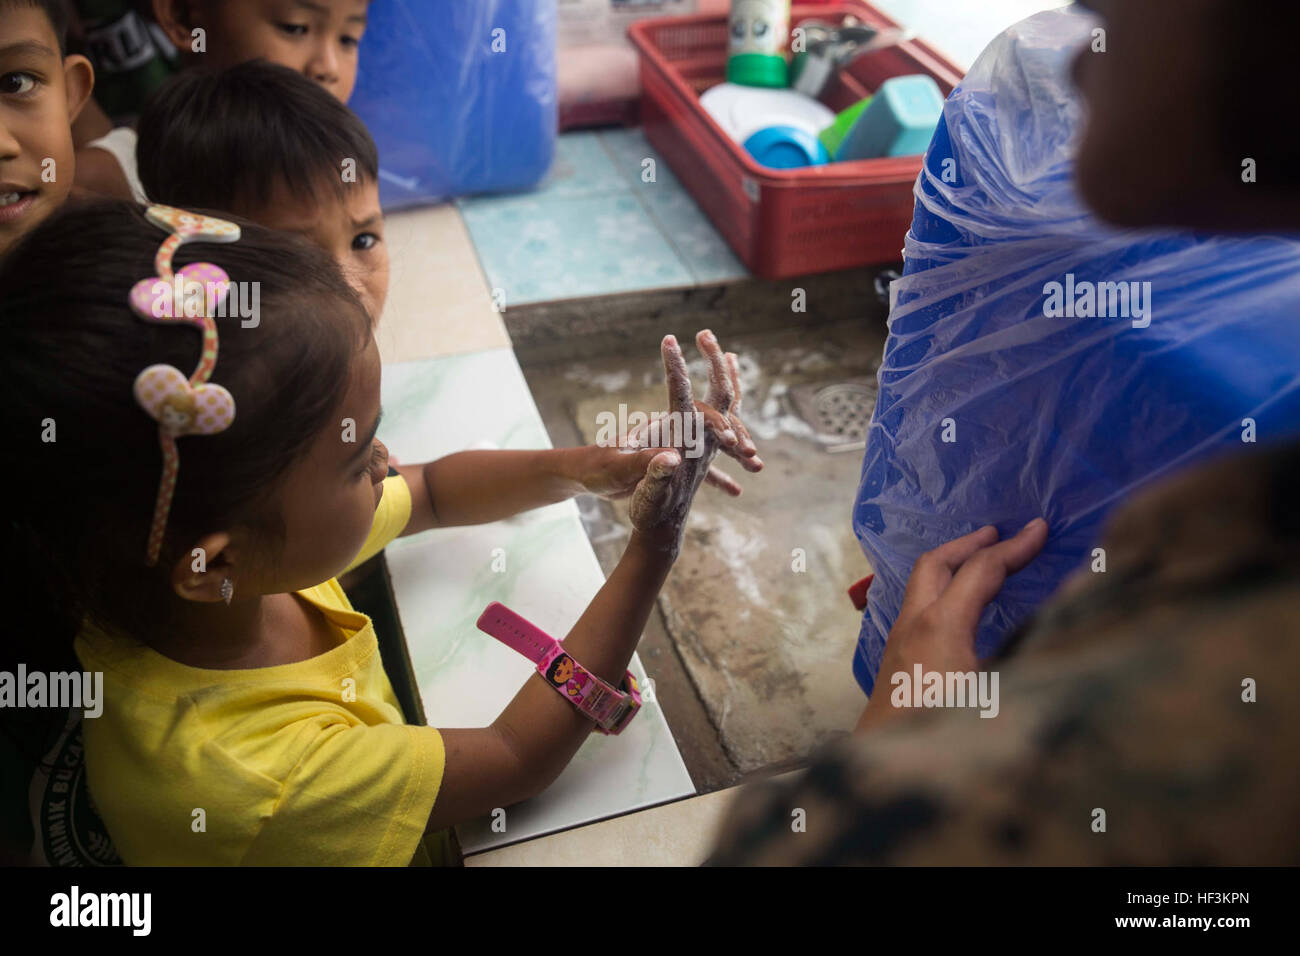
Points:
[(246, 714)]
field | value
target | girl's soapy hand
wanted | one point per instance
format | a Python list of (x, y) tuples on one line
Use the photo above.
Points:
[(610, 471), (614, 472), (690, 435), (475, 487)]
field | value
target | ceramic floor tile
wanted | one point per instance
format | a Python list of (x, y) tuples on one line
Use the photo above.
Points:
[(699, 245), (582, 167), (628, 150), (539, 563), (539, 248), (692, 235), (438, 300)]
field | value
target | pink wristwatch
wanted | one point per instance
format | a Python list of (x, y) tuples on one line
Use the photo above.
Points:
[(612, 709)]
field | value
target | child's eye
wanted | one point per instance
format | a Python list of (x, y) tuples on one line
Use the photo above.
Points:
[(351, 42), (365, 241), (17, 83), (293, 29)]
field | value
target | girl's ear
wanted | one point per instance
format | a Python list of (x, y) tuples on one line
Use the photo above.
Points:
[(78, 81), (198, 575), (176, 17)]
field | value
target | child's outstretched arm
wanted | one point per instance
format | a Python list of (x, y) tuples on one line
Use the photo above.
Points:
[(475, 487), (539, 732)]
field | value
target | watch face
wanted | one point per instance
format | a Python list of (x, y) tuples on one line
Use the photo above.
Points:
[(561, 670)]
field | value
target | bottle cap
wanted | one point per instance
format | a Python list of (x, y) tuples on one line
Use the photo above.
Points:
[(758, 69)]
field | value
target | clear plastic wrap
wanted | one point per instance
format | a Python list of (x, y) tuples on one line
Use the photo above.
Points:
[(460, 97), (1047, 414)]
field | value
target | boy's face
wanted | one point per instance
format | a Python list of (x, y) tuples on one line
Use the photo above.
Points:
[(41, 94), (350, 228), (317, 38)]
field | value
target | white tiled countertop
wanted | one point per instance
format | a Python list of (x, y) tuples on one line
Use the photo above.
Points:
[(443, 579), (677, 834), (438, 300)]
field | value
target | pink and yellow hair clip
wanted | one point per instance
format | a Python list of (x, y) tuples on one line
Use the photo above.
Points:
[(181, 405)]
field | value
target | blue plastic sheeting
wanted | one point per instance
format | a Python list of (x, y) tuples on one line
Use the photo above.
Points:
[(459, 96), (1051, 414)]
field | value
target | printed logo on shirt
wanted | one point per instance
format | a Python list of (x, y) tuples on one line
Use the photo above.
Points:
[(126, 44), (69, 830)]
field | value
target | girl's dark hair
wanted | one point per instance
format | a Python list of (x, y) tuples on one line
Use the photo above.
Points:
[(224, 139), (81, 493)]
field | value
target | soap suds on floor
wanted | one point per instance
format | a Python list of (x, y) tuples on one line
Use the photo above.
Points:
[(810, 362), (746, 368), (740, 551), (763, 638), (774, 418)]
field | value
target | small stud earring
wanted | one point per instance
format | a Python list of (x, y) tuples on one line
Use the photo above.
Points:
[(227, 590)]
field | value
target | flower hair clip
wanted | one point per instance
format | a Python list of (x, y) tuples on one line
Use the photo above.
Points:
[(181, 405)]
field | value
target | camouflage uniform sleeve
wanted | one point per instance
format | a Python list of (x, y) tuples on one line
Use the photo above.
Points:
[(1149, 717)]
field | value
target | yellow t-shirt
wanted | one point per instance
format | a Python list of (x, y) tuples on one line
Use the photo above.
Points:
[(289, 764)]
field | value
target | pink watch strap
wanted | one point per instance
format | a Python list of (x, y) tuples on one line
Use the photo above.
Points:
[(515, 632), (612, 709)]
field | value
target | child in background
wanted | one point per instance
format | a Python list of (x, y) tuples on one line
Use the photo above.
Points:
[(263, 142), (318, 40), (242, 684), (41, 92)]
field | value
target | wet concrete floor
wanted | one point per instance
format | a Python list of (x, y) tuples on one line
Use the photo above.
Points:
[(752, 646)]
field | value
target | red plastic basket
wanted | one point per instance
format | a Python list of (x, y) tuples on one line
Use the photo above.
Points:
[(781, 222)]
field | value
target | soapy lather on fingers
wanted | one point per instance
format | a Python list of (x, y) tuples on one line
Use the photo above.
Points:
[(663, 498)]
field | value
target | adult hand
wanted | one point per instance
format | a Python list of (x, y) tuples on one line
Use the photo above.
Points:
[(946, 594)]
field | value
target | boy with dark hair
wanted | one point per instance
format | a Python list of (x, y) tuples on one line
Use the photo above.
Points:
[(262, 141)]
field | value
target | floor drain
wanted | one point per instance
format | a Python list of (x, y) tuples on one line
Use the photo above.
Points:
[(839, 413)]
